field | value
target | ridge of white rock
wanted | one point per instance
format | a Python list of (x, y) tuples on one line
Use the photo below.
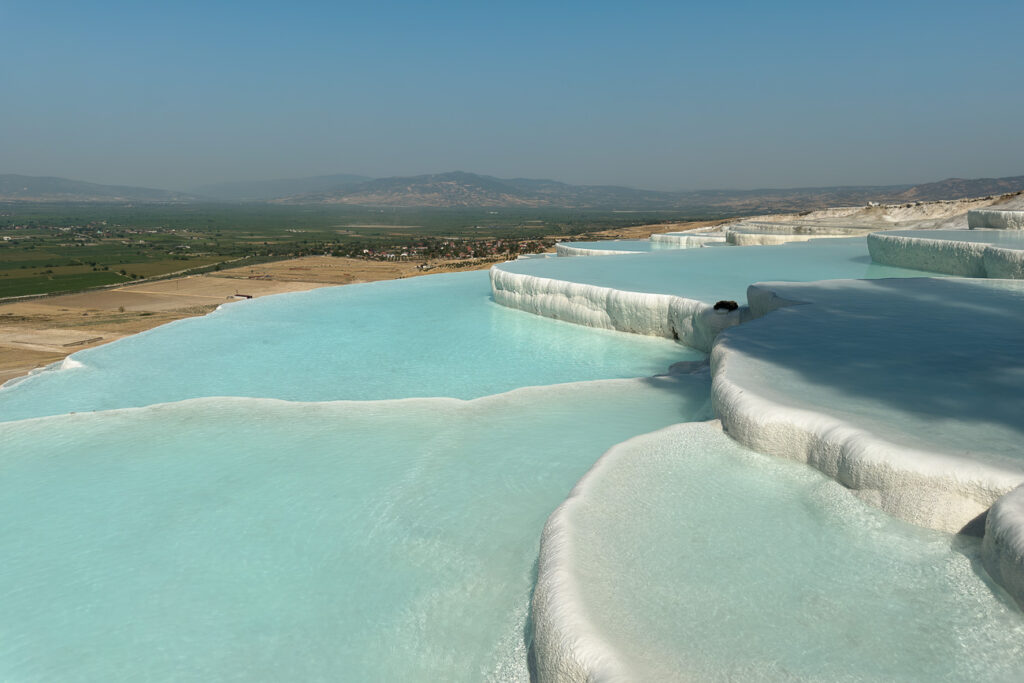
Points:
[(748, 239), (687, 240), (803, 227), (681, 555), (692, 322), (566, 648), (583, 304), (847, 382), (1003, 545), (938, 255), (671, 293), (995, 218), (912, 215), (567, 250), (754, 232), (974, 253)]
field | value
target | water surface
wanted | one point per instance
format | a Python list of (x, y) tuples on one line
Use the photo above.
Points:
[(710, 275), (696, 559), (439, 335), (623, 245), (247, 539)]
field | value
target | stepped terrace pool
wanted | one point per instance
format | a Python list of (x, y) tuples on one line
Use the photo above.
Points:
[(214, 511), (972, 253), (612, 247), (674, 293), (251, 539), (435, 336), (683, 556), (711, 274), (906, 390)]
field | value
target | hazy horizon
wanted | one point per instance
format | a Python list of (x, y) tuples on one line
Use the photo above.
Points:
[(197, 188), (656, 96)]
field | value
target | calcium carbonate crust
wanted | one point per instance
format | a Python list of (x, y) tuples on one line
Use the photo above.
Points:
[(1002, 549), (751, 239), (798, 227), (953, 257), (566, 647), (922, 487), (566, 250), (995, 218), (688, 241), (692, 322)]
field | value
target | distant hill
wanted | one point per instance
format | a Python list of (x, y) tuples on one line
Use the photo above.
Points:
[(45, 189), (262, 190), (959, 188), (460, 189)]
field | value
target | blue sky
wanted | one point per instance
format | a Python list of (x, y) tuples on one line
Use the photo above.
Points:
[(663, 95)]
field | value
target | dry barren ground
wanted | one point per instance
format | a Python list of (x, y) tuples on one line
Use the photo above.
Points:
[(37, 332), (40, 331)]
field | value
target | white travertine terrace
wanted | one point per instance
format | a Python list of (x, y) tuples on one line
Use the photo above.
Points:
[(681, 555), (850, 382), (1003, 545), (995, 218), (974, 253), (567, 250), (688, 240), (748, 233), (747, 239), (819, 229), (692, 322), (907, 391), (908, 250), (671, 293)]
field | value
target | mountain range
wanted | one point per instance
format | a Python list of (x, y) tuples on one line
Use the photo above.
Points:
[(47, 189), (459, 189)]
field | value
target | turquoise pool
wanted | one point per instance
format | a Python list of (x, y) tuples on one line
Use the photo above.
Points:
[(429, 336), (351, 483), (258, 540), (710, 275), (622, 245), (684, 556)]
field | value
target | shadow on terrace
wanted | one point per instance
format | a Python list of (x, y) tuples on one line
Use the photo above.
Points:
[(932, 363)]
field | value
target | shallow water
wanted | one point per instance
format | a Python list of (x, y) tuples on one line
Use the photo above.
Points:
[(245, 539), (439, 335), (623, 245), (710, 275), (880, 356), (695, 559), (248, 539)]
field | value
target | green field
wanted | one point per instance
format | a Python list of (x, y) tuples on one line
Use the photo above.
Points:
[(50, 247), (71, 282)]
